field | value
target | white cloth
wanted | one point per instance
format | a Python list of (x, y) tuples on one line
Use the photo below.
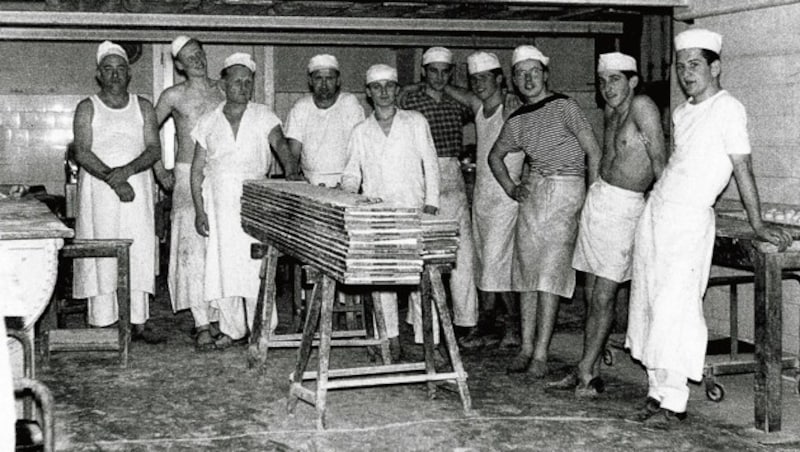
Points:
[(675, 237), (104, 307), (606, 231), (324, 134), (616, 61), (494, 214), (186, 251), (229, 270), (117, 138), (698, 38), (400, 168), (527, 52), (7, 410), (669, 388), (236, 316)]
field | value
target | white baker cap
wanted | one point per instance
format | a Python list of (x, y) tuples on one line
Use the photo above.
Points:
[(437, 55), (178, 43), (323, 61), (522, 53), (378, 72), (109, 48), (240, 58), (482, 62), (699, 38), (616, 61)]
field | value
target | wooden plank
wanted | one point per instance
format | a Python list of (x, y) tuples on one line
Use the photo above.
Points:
[(356, 382), (86, 339), (29, 219), (369, 370)]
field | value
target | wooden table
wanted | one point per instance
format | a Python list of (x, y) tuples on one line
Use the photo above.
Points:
[(736, 246)]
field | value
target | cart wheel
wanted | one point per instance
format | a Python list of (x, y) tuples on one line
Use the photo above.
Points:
[(608, 357), (798, 385), (715, 393)]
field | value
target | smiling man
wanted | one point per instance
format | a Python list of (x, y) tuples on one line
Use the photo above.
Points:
[(675, 236), (186, 102), (319, 124), (558, 142), (633, 156)]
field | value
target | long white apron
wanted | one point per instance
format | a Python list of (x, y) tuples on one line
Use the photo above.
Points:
[(494, 214), (187, 247), (7, 410), (117, 138), (672, 259)]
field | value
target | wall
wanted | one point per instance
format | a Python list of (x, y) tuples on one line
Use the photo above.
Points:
[(761, 67), (40, 85)]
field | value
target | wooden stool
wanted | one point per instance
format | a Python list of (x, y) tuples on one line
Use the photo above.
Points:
[(262, 339), (95, 339), (320, 313)]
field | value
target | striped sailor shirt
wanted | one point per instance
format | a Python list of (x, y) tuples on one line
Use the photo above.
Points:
[(547, 132)]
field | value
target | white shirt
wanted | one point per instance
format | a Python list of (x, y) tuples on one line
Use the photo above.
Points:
[(324, 133), (705, 136), (401, 168)]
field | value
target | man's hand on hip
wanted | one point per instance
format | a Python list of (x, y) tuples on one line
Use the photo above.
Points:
[(775, 235), (429, 209)]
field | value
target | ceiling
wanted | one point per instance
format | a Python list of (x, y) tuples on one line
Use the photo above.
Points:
[(485, 23)]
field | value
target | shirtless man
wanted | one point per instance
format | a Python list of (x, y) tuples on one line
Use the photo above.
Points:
[(633, 157), (186, 102)]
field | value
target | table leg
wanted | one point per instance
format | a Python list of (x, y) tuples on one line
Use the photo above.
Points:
[(768, 347), (324, 352), (437, 287), (124, 301), (304, 352), (259, 340), (380, 319), (426, 300)]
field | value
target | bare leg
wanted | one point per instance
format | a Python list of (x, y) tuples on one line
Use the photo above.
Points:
[(546, 316), (511, 338), (599, 316), (528, 307)]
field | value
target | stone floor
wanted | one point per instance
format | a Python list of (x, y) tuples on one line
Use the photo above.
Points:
[(172, 398)]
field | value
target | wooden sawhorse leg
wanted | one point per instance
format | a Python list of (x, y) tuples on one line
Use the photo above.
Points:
[(262, 317)]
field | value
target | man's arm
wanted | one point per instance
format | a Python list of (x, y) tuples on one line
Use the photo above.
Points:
[(281, 146), (196, 184), (163, 111), (464, 97), (152, 150), (295, 153), (351, 175), (648, 121), (498, 166), (430, 167), (593, 152), (743, 171)]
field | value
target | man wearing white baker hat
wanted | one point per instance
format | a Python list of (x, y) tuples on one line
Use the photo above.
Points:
[(392, 157), (116, 144), (633, 156), (447, 118), (675, 236), (320, 123), (233, 145), (557, 156), (186, 102)]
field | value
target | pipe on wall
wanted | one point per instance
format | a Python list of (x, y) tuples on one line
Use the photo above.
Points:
[(700, 9)]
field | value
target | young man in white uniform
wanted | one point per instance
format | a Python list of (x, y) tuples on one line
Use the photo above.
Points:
[(233, 145), (320, 123), (185, 103), (675, 237), (392, 157), (116, 145)]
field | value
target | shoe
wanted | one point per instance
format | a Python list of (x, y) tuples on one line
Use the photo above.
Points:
[(594, 388), (650, 408), (665, 419), (473, 340), (226, 341), (568, 383), (204, 341), (140, 333), (519, 364)]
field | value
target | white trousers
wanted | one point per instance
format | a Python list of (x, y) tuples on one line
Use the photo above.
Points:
[(203, 313), (236, 317), (103, 309), (414, 316), (668, 387)]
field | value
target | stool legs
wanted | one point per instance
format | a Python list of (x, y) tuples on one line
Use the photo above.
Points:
[(377, 307), (259, 337), (324, 351), (124, 302), (304, 352)]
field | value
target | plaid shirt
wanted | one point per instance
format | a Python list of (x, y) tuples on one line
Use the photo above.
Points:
[(446, 119)]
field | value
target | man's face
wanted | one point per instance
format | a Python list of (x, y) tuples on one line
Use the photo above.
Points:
[(437, 75), (192, 59), (695, 75), (324, 84), (383, 92), (616, 87), (113, 75), (530, 78), (484, 84), (238, 84)]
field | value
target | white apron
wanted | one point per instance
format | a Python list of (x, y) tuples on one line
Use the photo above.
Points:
[(494, 214), (8, 415), (117, 138), (187, 247)]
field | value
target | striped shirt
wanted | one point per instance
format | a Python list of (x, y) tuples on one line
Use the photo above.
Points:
[(547, 132), (446, 119)]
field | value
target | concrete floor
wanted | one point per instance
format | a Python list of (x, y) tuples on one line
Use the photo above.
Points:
[(173, 398)]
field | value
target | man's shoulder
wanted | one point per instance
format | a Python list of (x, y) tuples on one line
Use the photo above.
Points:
[(348, 100), (305, 102)]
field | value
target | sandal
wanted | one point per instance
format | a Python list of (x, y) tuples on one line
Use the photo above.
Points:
[(568, 383), (594, 388), (226, 341), (204, 341)]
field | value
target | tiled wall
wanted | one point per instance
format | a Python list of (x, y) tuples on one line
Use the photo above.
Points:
[(34, 133), (761, 67)]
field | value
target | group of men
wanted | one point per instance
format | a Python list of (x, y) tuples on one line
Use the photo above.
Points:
[(532, 223)]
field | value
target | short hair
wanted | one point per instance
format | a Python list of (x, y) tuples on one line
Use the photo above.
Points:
[(709, 55)]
